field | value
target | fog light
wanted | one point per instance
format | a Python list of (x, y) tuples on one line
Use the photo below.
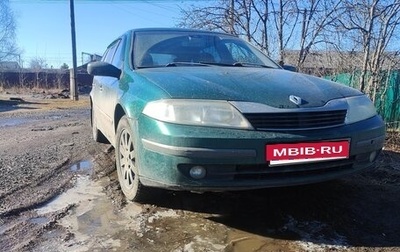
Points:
[(372, 156), (197, 172)]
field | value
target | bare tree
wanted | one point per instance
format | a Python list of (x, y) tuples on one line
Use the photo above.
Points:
[(317, 16), (372, 26), (38, 63), (242, 17), (261, 9), (284, 19), (8, 47), (232, 16), (269, 24), (247, 18), (388, 24), (216, 17)]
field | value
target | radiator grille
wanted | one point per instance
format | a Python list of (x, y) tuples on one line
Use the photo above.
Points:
[(298, 120)]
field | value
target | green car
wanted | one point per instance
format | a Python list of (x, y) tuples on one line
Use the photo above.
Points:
[(206, 111)]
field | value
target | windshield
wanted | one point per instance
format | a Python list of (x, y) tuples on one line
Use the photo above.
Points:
[(174, 48)]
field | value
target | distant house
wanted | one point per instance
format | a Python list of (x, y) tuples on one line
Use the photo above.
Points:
[(9, 66)]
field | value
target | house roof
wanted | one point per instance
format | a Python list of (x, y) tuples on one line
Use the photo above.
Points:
[(9, 65)]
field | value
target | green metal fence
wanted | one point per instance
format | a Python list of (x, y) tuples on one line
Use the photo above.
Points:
[(387, 97)]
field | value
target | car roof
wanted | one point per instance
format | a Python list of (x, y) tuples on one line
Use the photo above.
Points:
[(178, 30)]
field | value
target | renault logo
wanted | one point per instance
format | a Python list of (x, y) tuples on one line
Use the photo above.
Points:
[(295, 99)]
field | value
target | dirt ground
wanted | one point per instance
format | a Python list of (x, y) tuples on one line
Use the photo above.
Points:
[(59, 192)]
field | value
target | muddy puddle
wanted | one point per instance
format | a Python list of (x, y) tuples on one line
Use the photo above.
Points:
[(180, 221), (82, 167), (92, 221)]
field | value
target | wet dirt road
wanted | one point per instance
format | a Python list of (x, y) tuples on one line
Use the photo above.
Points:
[(59, 192)]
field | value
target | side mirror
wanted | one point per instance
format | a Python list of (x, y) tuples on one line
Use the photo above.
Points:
[(101, 68), (290, 68)]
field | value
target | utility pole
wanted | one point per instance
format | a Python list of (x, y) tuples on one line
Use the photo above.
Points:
[(73, 84)]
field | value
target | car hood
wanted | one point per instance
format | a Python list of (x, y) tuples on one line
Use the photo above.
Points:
[(271, 87)]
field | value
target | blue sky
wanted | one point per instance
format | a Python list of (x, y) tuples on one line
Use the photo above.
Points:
[(44, 29)]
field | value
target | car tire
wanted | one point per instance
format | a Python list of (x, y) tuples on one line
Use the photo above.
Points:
[(97, 134), (126, 162)]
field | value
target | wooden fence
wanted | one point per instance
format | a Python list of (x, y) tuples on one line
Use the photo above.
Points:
[(42, 79)]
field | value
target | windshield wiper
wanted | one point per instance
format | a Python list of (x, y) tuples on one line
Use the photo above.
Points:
[(246, 64), (215, 63), (174, 64)]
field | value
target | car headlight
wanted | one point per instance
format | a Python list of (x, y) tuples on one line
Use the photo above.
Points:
[(197, 112), (359, 108)]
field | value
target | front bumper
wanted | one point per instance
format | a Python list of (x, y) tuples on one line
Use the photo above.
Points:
[(235, 159)]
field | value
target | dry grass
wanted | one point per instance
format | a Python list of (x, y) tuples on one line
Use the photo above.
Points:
[(23, 90), (393, 140)]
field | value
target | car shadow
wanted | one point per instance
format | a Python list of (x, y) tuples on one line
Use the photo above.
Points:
[(15, 104), (351, 212)]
